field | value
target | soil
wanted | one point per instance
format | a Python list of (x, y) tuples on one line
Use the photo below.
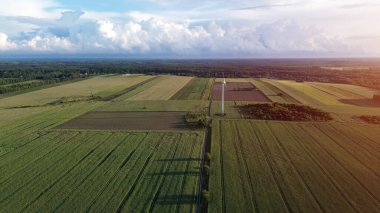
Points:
[(238, 91), (128, 121)]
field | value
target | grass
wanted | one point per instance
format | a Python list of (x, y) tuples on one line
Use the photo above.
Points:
[(273, 92), (297, 93), (162, 89), (281, 166), (196, 89), (99, 86), (9, 115), (10, 94), (155, 105), (44, 170), (320, 97), (337, 91), (361, 91), (231, 108)]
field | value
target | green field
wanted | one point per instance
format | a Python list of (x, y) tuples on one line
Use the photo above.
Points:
[(294, 167), (99, 86), (255, 166), (196, 89), (163, 89), (45, 170)]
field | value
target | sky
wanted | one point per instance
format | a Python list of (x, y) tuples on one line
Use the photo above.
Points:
[(191, 28)]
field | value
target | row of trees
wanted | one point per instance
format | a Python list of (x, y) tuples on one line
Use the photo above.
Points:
[(284, 112), (301, 70)]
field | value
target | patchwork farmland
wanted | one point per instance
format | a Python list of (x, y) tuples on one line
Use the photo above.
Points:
[(120, 143), (239, 91), (47, 170)]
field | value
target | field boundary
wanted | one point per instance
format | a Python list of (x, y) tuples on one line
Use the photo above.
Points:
[(128, 89)]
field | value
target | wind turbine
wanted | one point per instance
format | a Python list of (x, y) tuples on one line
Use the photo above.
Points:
[(223, 85)]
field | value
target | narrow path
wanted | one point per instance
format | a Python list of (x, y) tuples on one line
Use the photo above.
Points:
[(206, 140)]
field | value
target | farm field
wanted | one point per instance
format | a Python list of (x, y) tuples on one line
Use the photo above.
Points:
[(43, 169), (238, 91), (128, 121), (99, 86), (155, 105), (306, 94), (358, 90), (342, 101), (290, 166), (273, 92), (106, 171), (196, 89), (233, 80), (131, 151), (10, 115), (162, 89)]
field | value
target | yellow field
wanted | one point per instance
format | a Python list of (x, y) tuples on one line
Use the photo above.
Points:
[(163, 89), (340, 100), (102, 86), (352, 90), (306, 93), (272, 95), (9, 115)]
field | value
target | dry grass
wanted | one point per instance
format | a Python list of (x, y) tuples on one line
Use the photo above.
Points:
[(164, 88), (101, 85)]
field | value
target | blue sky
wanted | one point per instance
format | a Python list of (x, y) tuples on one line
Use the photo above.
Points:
[(191, 29)]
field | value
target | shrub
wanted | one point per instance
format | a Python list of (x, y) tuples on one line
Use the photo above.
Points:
[(207, 170), (208, 156), (206, 196), (284, 112)]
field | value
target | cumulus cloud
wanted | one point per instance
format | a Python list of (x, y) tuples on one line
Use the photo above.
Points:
[(251, 31), (70, 34), (5, 44)]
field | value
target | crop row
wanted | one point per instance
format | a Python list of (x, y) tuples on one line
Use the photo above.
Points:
[(282, 166), (104, 170)]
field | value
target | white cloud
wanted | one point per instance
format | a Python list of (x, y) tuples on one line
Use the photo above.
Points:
[(203, 28), (48, 43), (34, 8), (5, 44)]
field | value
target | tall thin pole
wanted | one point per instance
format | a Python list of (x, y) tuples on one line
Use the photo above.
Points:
[(223, 84)]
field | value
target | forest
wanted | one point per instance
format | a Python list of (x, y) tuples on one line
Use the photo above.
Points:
[(23, 74)]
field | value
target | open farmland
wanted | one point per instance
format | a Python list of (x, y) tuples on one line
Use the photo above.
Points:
[(105, 171), (306, 93), (272, 92), (99, 86), (196, 89), (238, 91), (358, 96), (128, 121), (162, 89), (131, 151), (155, 105), (294, 167), (10, 115), (44, 170)]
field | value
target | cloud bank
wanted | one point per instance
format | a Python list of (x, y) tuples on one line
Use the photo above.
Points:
[(248, 31)]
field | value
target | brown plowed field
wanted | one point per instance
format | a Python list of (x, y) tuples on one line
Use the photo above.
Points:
[(238, 91), (128, 121)]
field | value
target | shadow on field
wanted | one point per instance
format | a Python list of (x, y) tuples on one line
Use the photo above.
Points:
[(176, 199), (180, 159), (187, 173), (361, 102)]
